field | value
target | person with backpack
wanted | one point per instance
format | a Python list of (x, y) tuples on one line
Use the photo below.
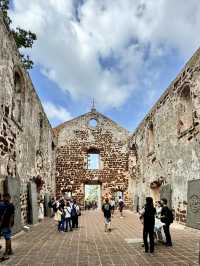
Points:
[(121, 206), (166, 218), (148, 215), (106, 208)]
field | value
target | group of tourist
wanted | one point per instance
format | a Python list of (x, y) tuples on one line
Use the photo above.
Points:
[(66, 213), (155, 219), (91, 205)]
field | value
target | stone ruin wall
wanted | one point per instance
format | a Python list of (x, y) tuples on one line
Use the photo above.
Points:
[(75, 138), (166, 145), (27, 145)]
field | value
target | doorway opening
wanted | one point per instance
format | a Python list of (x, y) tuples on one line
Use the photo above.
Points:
[(118, 194), (92, 196)]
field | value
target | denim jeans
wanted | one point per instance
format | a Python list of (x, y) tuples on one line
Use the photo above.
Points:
[(68, 224)]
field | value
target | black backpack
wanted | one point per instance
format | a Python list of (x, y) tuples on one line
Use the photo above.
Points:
[(73, 211)]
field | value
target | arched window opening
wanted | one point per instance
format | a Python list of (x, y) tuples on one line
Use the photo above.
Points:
[(93, 159), (185, 120), (134, 149), (150, 138), (17, 98)]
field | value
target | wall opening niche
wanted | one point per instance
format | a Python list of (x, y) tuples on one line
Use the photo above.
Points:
[(185, 119), (93, 159)]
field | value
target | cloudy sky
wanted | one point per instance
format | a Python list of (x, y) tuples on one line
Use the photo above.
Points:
[(122, 53)]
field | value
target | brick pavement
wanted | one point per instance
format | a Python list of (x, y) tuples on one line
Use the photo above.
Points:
[(91, 246)]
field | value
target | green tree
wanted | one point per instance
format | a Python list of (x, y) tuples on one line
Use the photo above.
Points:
[(23, 38)]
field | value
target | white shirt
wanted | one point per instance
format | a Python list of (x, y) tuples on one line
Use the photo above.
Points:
[(68, 212), (112, 203)]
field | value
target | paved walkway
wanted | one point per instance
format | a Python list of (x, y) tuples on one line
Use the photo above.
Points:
[(91, 246)]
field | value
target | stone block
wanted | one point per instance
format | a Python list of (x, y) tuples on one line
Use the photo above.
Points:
[(33, 203), (12, 186)]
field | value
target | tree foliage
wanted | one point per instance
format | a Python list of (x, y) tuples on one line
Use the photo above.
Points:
[(23, 38)]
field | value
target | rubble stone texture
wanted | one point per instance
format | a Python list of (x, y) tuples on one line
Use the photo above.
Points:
[(27, 145), (167, 142), (77, 138)]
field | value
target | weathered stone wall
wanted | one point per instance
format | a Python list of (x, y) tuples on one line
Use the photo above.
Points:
[(27, 145), (167, 142), (75, 139)]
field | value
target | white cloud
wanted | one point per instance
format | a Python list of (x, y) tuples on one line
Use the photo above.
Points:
[(56, 113), (72, 39)]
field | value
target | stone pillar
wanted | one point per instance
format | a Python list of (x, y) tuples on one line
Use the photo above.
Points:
[(33, 203)]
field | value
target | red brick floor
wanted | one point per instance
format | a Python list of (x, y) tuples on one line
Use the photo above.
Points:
[(91, 246)]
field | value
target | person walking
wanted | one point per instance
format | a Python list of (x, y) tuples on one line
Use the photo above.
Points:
[(149, 223), (166, 218), (67, 210), (121, 206), (106, 208), (6, 224)]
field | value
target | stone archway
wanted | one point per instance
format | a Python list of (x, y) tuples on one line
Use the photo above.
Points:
[(92, 193)]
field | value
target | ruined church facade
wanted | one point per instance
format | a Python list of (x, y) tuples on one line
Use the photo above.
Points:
[(92, 134)]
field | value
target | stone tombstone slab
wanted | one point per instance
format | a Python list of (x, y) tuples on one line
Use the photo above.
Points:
[(47, 210), (193, 207), (12, 186), (33, 203), (166, 192), (136, 203)]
